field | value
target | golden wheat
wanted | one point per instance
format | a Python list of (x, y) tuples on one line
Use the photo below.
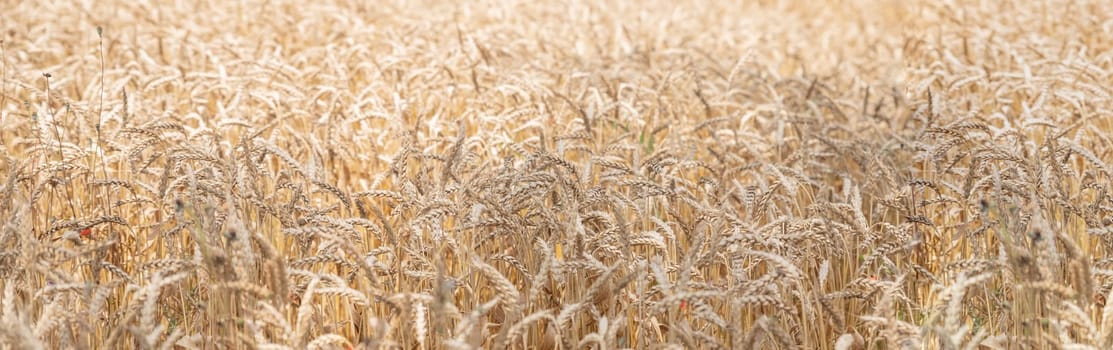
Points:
[(506, 174)]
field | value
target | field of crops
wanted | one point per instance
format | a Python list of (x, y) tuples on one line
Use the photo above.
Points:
[(512, 174)]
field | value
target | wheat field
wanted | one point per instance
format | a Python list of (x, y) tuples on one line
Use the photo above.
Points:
[(508, 174)]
